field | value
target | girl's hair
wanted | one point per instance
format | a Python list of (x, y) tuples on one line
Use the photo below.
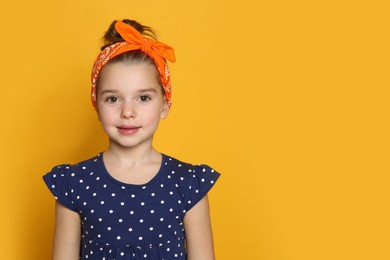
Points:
[(111, 36), (130, 57)]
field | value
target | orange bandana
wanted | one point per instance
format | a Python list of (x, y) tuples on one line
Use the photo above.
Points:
[(134, 40)]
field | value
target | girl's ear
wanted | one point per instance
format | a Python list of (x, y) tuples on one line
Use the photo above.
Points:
[(165, 110)]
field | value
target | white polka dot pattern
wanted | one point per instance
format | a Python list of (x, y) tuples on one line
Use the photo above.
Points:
[(126, 221)]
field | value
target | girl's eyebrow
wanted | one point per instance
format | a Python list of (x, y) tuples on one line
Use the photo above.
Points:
[(109, 91), (147, 90)]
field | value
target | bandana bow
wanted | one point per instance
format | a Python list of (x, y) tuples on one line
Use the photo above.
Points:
[(134, 40)]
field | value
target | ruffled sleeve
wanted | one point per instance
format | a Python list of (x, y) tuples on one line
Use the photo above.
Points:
[(202, 178), (59, 181)]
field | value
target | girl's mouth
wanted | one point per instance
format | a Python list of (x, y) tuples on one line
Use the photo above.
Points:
[(128, 130)]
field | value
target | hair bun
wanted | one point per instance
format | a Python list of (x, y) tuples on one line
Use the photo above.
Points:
[(112, 36)]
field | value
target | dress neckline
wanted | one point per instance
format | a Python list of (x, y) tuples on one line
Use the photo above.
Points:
[(131, 185)]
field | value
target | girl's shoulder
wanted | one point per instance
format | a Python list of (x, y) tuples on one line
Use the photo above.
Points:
[(187, 168), (192, 180), (75, 170), (64, 180)]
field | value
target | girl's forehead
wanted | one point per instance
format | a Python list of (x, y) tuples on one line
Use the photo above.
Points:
[(123, 67), (120, 75)]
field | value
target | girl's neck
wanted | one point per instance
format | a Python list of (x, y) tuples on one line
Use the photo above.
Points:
[(131, 155), (132, 166)]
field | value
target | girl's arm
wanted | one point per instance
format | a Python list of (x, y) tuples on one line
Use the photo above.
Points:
[(199, 237), (66, 244)]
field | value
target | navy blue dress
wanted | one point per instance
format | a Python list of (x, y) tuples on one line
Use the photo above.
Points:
[(127, 221)]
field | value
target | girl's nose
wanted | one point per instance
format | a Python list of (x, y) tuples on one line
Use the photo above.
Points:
[(128, 111)]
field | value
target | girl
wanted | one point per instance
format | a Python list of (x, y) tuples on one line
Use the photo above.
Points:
[(130, 201)]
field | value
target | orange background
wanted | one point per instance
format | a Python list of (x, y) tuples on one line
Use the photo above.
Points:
[(289, 100)]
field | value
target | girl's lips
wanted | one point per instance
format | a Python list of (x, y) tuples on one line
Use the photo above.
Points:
[(128, 130)]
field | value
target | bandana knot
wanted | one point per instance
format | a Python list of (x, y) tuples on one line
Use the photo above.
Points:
[(147, 46)]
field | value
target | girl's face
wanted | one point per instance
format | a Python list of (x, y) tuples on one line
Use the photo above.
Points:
[(130, 103)]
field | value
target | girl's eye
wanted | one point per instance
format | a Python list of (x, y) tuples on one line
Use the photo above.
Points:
[(144, 98), (112, 99)]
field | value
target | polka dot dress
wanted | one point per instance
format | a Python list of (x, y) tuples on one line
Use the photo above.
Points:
[(126, 221)]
